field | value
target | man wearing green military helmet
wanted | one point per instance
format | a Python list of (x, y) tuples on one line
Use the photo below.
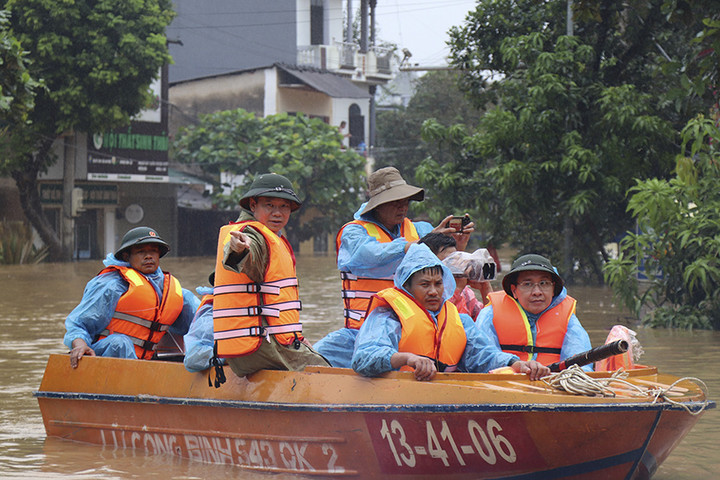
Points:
[(534, 318), (131, 304), (256, 305)]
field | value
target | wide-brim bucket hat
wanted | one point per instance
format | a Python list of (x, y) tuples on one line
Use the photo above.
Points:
[(387, 185), (142, 236), (271, 185), (532, 262)]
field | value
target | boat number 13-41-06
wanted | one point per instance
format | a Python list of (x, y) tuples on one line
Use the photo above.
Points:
[(485, 440)]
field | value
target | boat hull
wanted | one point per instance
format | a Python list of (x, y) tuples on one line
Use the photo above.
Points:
[(472, 426)]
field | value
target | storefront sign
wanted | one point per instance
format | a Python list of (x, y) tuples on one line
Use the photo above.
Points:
[(95, 195)]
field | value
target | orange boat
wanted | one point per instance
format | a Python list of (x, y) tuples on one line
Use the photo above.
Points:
[(330, 422)]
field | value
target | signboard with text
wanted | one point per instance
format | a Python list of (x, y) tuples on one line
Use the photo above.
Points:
[(138, 153), (95, 195)]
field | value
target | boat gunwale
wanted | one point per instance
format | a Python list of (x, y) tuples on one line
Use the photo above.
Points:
[(693, 405)]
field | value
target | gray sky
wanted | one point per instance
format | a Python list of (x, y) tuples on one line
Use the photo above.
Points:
[(421, 26)]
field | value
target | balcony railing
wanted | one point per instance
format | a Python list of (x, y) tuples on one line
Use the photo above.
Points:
[(346, 58)]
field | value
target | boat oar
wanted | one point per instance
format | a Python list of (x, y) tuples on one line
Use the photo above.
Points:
[(593, 355)]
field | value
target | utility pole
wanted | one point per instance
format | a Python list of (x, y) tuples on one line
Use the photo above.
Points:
[(348, 30), (67, 225), (567, 224), (373, 88)]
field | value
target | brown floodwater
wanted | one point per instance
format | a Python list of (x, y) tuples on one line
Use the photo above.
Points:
[(34, 301)]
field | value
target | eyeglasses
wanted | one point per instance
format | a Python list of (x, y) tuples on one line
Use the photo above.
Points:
[(544, 285)]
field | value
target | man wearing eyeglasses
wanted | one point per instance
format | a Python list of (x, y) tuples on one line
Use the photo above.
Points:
[(534, 318)]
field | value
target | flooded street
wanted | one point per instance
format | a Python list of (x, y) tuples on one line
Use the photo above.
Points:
[(34, 301)]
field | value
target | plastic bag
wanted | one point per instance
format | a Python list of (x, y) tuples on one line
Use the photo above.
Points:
[(626, 360), (477, 266)]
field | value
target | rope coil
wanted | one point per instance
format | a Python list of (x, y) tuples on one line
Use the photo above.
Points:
[(576, 381)]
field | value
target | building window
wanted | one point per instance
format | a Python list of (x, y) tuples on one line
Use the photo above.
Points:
[(317, 21)]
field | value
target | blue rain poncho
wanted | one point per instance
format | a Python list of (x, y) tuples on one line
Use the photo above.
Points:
[(363, 255), (379, 336), (199, 340), (576, 338), (98, 303)]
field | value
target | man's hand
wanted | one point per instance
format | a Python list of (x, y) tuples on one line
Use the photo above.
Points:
[(536, 370), (239, 242), (424, 367), (461, 238), (79, 348)]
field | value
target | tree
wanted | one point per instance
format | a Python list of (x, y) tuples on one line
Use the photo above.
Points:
[(577, 119), (677, 242), (328, 179), (399, 140), (97, 60), (17, 87)]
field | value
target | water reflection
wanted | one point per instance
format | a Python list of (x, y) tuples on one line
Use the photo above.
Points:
[(34, 301)]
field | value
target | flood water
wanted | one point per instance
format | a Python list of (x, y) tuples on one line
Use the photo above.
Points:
[(34, 301)]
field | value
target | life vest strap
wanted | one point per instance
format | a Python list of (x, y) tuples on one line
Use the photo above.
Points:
[(153, 326), (269, 288), (144, 344), (352, 277), (272, 310), (259, 331), (530, 349), (357, 294), (353, 314)]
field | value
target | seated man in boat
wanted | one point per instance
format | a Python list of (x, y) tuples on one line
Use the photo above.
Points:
[(464, 298), (128, 307), (534, 318), (413, 327), (256, 307), (369, 250)]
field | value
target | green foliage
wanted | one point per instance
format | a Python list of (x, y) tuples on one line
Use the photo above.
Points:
[(678, 242), (328, 179), (399, 140), (17, 87), (573, 121), (16, 244), (96, 60)]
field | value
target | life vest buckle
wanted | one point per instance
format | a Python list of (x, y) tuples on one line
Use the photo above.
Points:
[(156, 327), (257, 331)]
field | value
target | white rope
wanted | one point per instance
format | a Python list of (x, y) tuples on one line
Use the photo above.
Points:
[(576, 381)]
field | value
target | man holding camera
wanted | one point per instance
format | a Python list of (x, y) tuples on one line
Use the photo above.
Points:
[(369, 250)]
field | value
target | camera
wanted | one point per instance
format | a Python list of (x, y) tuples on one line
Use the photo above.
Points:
[(458, 223), (477, 266)]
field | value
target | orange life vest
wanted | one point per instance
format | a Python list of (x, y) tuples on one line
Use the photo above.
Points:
[(140, 314), (245, 312), (443, 342), (356, 291), (205, 300), (515, 335)]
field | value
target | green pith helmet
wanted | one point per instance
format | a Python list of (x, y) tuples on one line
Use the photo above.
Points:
[(271, 185), (532, 262), (141, 236)]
